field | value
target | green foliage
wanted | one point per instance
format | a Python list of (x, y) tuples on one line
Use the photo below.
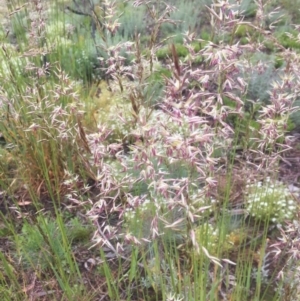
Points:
[(11, 63), (19, 24), (205, 35), (291, 9), (290, 125), (244, 30), (132, 22), (260, 80), (8, 166), (159, 75), (4, 231), (244, 41), (247, 129), (220, 239), (155, 89), (138, 221), (186, 17), (83, 60), (208, 236), (165, 52), (279, 62), (246, 126), (78, 232), (74, 47), (197, 46), (270, 202), (41, 244), (295, 117), (248, 8), (173, 170), (289, 40), (270, 46)]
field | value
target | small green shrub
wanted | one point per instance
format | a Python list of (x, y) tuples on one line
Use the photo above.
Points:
[(182, 51), (210, 237), (82, 64), (279, 62), (291, 9), (4, 231), (73, 47), (270, 46), (244, 41), (43, 244), (159, 75), (40, 245), (78, 232), (260, 80), (132, 22), (243, 31), (205, 35), (270, 202), (250, 11), (289, 40), (165, 52), (291, 125), (197, 46), (186, 16), (138, 221), (295, 117)]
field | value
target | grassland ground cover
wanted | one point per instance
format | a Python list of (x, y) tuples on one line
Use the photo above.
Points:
[(149, 150)]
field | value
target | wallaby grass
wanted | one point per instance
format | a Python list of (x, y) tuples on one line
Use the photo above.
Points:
[(137, 168)]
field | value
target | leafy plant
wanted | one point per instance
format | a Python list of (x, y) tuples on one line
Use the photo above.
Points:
[(41, 245), (288, 40), (270, 201), (78, 232)]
